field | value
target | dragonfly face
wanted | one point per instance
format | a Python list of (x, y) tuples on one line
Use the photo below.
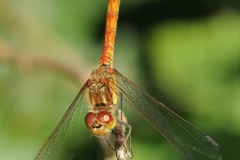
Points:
[(100, 120)]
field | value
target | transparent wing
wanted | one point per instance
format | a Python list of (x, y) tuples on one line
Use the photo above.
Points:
[(180, 133), (70, 134)]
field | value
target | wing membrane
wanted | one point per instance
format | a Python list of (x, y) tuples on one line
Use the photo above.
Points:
[(180, 133), (70, 134)]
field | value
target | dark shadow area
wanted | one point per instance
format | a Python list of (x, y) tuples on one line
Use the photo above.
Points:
[(90, 151)]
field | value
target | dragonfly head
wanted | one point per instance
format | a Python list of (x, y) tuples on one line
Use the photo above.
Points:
[(100, 123)]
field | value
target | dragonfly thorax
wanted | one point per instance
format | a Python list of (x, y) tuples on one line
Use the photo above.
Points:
[(101, 85)]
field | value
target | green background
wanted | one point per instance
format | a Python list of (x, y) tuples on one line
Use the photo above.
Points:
[(185, 54)]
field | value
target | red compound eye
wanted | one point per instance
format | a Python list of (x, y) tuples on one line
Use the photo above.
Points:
[(90, 118), (104, 117)]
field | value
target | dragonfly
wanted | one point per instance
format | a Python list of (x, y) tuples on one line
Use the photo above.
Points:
[(92, 112)]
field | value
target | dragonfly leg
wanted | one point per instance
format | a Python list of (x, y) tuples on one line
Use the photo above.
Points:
[(109, 143)]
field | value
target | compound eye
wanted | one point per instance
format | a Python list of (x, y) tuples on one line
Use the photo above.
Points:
[(90, 118), (105, 118)]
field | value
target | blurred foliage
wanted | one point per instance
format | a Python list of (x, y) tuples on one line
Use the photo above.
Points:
[(186, 54)]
